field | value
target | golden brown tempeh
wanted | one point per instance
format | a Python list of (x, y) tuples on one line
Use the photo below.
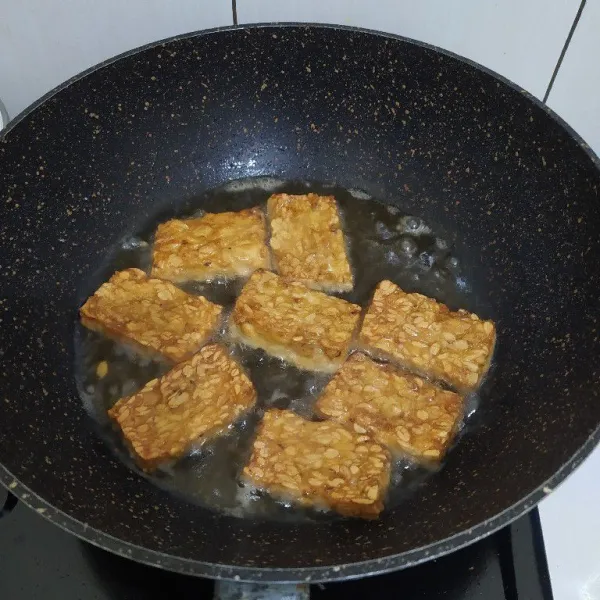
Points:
[(227, 244), (307, 241), (398, 409), (152, 315), (307, 328), (319, 464), (192, 403), (425, 336)]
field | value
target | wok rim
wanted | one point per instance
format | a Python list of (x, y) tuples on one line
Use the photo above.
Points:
[(322, 573)]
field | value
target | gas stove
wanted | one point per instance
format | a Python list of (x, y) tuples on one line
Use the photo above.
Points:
[(40, 561)]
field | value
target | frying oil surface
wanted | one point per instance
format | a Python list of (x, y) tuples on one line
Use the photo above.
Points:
[(383, 243)]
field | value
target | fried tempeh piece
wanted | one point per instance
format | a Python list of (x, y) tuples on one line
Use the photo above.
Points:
[(319, 463), (227, 244), (288, 320), (425, 336), (152, 315), (191, 404), (307, 241), (400, 410)]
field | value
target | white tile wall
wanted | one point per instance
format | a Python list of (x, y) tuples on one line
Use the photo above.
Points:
[(44, 42), (571, 526), (576, 92), (522, 40)]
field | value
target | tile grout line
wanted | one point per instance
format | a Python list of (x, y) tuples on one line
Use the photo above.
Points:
[(564, 50), (234, 11)]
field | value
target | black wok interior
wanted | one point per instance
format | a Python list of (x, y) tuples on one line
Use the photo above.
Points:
[(515, 190)]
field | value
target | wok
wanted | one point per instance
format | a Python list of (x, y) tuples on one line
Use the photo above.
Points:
[(418, 128)]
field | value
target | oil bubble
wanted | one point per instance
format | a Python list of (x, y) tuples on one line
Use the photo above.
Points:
[(408, 245), (133, 243), (412, 224), (383, 232), (393, 258), (426, 260), (452, 263)]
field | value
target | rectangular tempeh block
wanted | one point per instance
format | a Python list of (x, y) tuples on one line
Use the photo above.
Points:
[(227, 244), (152, 315), (319, 464), (307, 328), (400, 410), (192, 403), (425, 336), (307, 241)]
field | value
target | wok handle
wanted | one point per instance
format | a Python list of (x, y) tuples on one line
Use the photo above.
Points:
[(9, 504), (238, 590)]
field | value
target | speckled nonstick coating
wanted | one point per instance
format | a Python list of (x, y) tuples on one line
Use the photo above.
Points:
[(434, 134)]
